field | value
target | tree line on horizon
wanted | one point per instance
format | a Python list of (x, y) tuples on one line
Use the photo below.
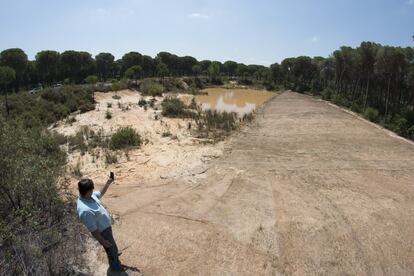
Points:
[(369, 78)]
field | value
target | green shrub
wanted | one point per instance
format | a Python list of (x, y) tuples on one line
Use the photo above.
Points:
[(59, 138), (142, 103), (213, 120), (39, 231), (172, 84), (108, 105), (371, 114), (410, 132), (116, 86), (125, 137), (151, 88), (86, 107), (152, 102), (327, 94), (175, 108), (108, 115), (166, 134), (92, 79), (356, 108), (341, 101), (50, 105)]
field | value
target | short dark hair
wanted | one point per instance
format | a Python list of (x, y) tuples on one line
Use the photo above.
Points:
[(85, 185)]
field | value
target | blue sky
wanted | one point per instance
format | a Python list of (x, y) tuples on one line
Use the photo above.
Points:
[(253, 32)]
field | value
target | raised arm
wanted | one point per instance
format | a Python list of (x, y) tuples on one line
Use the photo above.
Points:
[(106, 186)]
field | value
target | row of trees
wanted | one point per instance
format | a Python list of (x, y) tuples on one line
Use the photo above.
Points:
[(371, 75), (73, 66)]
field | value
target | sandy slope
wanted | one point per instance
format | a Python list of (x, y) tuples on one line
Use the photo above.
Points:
[(307, 189)]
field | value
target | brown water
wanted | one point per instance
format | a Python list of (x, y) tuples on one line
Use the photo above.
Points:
[(240, 101)]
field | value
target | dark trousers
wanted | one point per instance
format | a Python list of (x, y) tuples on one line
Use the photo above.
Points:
[(111, 252)]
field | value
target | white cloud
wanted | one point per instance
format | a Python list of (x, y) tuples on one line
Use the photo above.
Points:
[(199, 15), (316, 38)]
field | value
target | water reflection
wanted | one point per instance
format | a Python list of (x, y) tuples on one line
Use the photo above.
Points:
[(240, 101)]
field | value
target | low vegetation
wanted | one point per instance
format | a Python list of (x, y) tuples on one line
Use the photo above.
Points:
[(216, 125), (175, 108), (50, 105), (110, 157), (39, 232), (125, 137), (151, 87), (108, 115)]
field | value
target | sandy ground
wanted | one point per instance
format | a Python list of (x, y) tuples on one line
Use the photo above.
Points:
[(306, 189), (149, 168), (158, 159)]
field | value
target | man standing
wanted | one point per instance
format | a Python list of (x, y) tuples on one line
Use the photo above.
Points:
[(95, 217)]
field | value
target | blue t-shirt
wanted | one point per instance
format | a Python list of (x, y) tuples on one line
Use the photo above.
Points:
[(92, 213)]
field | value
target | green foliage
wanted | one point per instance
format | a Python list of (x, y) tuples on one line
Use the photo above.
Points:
[(341, 100), (214, 72), (131, 59), (213, 120), (76, 65), (162, 70), (371, 114), (119, 85), (85, 139), (105, 65), (175, 108), (50, 105), (173, 84), (166, 134), (108, 115), (7, 75), (47, 65), (125, 137), (16, 59), (37, 220), (85, 108), (59, 138), (142, 103), (151, 88), (197, 69), (356, 108), (134, 72), (327, 94), (91, 79)]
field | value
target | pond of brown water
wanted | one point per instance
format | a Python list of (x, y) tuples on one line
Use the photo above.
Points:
[(240, 101)]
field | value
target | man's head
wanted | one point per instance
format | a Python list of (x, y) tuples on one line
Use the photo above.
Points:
[(85, 187)]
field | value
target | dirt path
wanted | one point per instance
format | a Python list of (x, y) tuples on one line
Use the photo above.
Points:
[(306, 189)]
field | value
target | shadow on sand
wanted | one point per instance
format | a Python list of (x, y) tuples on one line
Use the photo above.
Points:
[(129, 271)]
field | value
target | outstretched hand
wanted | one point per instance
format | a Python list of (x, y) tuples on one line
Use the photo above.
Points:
[(106, 186)]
